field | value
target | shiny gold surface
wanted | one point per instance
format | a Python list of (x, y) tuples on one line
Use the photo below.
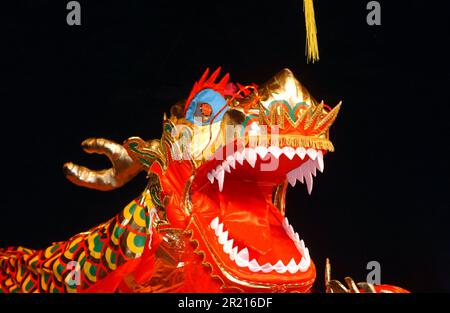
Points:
[(123, 169), (327, 275), (168, 272), (279, 198), (284, 86), (368, 288), (335, 286), (351, 285), (187, 204)]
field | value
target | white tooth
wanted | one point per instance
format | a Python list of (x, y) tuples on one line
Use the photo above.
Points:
[(304, 264), (305, 167), (302, 247), (217, 171), (226, 167), (279, 267), (291, 231), (238, 156), (210, 177), (262, 151), (266, 268), (228, 246), (299, 248), (312, 153), (220, 175), (275, 151), (320, 164), (296, 174), (289, 152), (297, 237), (219, 230), (312, 169), (292, 177), (309, 182), (233, 253), (214, 223), (242, 258), (223, 237), (306, 255), (285, 223), (250, 155), (292, 266), (301, 152), (292, 236), (231, 161), (254, 266)]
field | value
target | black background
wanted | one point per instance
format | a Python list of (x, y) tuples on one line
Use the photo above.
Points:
[(383, 195)]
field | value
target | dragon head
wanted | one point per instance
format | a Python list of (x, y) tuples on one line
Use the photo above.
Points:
[(221, 170)]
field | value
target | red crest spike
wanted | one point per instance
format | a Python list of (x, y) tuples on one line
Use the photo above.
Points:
[(206, 82)]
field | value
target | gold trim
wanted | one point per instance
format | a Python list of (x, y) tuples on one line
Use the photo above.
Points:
[(187, 204), (318, 143), (335, 286), (201, 253), (279, 197)]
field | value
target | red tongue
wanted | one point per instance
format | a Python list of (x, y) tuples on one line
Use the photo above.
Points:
[(248, 223)]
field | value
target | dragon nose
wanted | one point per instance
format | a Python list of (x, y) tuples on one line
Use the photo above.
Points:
[(283, 86)]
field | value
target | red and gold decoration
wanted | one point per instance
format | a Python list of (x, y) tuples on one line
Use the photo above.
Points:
[(212, 215)]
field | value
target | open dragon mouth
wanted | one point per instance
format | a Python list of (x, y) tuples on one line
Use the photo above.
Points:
[(264, 138), (248, 235)]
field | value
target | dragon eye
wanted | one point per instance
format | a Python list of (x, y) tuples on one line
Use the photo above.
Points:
[(206, 105), (204, 111)]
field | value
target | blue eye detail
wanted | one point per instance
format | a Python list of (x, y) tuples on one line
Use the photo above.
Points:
[(204, 106)]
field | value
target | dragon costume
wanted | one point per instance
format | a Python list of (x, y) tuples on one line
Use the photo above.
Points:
[(212, 216)]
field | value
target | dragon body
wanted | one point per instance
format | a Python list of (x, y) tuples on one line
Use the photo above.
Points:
[(212, 216)]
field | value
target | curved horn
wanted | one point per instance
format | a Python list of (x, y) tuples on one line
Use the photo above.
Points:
[(124, 168)]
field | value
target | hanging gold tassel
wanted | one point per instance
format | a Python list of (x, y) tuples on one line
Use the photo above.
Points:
[(312, 47)]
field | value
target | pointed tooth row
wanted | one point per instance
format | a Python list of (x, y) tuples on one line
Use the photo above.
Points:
[(251, 155), (261, 151), (302, 152), (241, 258), (299, 244), (306, 171), (248, 154)]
